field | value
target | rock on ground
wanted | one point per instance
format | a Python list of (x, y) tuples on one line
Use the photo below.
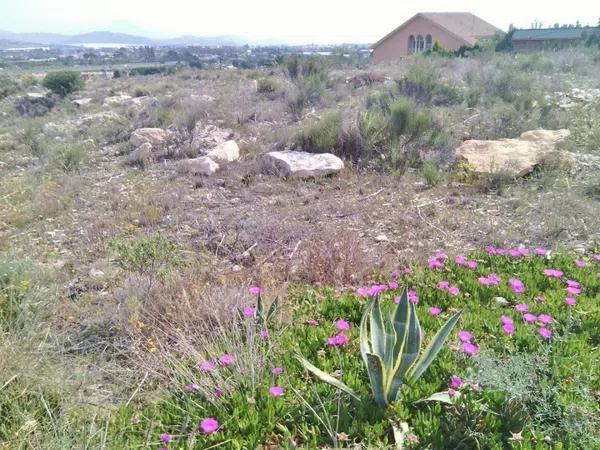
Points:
[(34, 104), (202, 165), (302, 164), (227, 151), (516, 157), (117, 100), (207, 137), (157, 137)]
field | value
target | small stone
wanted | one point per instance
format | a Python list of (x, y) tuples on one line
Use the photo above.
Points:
[(381, 238)]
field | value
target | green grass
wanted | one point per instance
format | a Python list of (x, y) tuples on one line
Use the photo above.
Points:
[(542, 389)]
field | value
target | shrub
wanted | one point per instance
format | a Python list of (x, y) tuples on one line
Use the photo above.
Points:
[(28, 81), (69, 157), (266, 86), (63, 82), (422, 84), (431, 173), (146, 256), (15, 283), (323, 136), (8, 86)]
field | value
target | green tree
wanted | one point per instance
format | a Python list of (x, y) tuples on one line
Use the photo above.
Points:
[(63, 82)]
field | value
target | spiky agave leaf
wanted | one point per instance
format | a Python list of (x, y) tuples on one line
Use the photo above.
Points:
[(377, 377), (326, 377)]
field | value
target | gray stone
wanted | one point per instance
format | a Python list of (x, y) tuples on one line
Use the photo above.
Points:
[(227, 151), (202, 165), (302, 164), (157, 137), (34, 104)]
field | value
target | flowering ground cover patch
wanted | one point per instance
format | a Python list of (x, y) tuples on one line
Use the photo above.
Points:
[(519, 369)]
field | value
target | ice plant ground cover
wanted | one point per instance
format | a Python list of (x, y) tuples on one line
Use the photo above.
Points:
[(520, 368)]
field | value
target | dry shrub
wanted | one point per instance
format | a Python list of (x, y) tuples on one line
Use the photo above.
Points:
[(334, 260)]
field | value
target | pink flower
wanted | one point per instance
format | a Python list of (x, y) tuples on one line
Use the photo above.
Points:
[(363, 292), (529, 318), (407, 271), (451, 392), (597, 257), (454, 291), (514, 252), (249, 311), (516, 285), (339, 340), (443, 284), (494, 279), (217, 392), (412, 296), (545, 318), (395, 274), (541, 251), (470, 349), (522, 307), (264, 334), (209, 425), (342, 324), (472, 264), (580, 263), (553, 273), (500, 251), (573, 290), (435, 264), (435, 311), (460, 260), (226, 360), (570, 301), (276, 391), (465, 336), (312, 322), (441, 256), (545, 332), (573, 283), (485, 281), (393, 285), (456, 382), (541, 298), (508, 328), (506, 320), (490, 249), (166, 437), (377, 289), (277, 370), (207, 366), (191, 387), (255, 290)]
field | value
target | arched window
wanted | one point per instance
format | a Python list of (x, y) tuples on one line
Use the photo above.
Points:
[(420, 43), (428, 42), (411, 44)]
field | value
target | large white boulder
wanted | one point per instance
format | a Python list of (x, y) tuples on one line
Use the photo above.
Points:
[(157, 137), (202, 165), (302, 164), (207, 137), (227, 151), (516, 157)]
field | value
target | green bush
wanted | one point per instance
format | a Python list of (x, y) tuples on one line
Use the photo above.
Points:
[(431, 172), (63, 82), (267, 86), (8, 86), (150, 256), (69, 157), (423, 84), (324, 136)]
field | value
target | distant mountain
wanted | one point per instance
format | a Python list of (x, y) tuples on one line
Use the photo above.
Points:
[(100, 37), (38, 38), (205, 40)]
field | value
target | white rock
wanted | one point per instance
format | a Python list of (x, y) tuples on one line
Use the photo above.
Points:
[(157, 137), (227, 151), (116, 100), (202, 165), (82, 101), (302, 164), (381, 238)]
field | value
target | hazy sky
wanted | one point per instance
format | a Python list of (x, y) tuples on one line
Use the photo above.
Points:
[(298, 21)]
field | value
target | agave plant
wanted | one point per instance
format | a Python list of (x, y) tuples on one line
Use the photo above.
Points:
[(390, 345)]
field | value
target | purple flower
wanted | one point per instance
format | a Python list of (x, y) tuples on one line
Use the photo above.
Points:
[(456, 382), (460, 260), (580, 263), (470, 349), (484, 281), (573, 290), (393, 285), (407, 271), (494, 279), (255, 290), (441, 256), (412, 297), (226, 360), (277, 370), (529, 318), (207, 366), (435, 311), (217, 392), (342, 324), (500, 251), (553, 273), (541, 251), (276, 391), (490, 249), (573, 283), (540, 298), (444, 284), (435, 264), (191, 387), (514, 252), (508, 328), (545, 332), (363, 292), (451, 392), (209, 425), (454, 290), (522, 307), (570, 301), (249, 310), (472, 264), (545, 318), (395, 274), (465, 336), (264, 334), (505, 320), (597, 257), (516, 285), (339, 340), (166, 437)]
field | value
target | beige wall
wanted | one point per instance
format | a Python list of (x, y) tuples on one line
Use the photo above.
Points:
[(396, 46)]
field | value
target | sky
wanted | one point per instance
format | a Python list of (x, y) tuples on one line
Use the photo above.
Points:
[(301, 21)]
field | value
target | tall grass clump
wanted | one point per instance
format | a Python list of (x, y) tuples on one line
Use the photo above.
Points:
[(324, 136)]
